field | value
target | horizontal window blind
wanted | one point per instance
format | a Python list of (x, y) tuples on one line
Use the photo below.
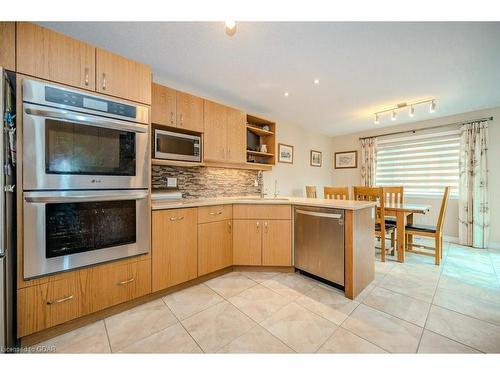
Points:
[(424, 164)]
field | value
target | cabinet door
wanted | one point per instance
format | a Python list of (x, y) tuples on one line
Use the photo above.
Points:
[(174, 247), (189, 112), (163, 106), (277, 243), (236, 136), (55, 57), (247, 242), (8, 48), (214, 246), (114, 283), (123, 78), (215, 132)]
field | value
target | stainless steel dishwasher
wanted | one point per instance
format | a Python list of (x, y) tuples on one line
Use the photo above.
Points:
[(319, 243)]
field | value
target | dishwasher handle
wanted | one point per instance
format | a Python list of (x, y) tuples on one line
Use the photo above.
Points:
[(319, 214)]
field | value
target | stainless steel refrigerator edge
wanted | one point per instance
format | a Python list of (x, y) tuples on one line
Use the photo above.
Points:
[(7, 220), (319, 242)]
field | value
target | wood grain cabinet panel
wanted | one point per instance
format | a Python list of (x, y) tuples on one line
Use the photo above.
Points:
[(262, 211), (174, 247), (123, 78), (55, 57), (49, 304), (8, 45), (236, 136), (277, 243), (214, 246), (210, 214), (190, 112), (115, 283), (163, 105), (215, 132), (247, 242)]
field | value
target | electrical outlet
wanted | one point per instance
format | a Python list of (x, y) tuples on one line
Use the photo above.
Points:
[(171, 182)]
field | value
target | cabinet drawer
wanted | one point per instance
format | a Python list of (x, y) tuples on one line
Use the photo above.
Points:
[(49, 304), (115, 283), (210, 214), (262, 211)]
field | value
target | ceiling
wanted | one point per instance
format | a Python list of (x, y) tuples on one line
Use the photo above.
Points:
[(362, 66)]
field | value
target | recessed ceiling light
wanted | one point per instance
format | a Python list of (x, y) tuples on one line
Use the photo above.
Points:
[(316, 81), (230, 28), (286, 93)]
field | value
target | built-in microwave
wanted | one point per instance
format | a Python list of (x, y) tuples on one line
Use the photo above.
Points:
[(171, 145)]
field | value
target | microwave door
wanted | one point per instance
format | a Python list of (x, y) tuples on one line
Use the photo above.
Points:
[(177, 146)]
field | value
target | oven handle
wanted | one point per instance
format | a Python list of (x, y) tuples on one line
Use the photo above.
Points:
[(60, 114), (74, 196)]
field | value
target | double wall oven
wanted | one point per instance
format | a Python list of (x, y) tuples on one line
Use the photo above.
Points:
[(85, 179)]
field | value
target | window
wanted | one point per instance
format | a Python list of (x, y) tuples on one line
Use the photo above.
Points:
[(424, 164)]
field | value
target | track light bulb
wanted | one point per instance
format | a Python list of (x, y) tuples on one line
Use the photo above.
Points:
[(377, 121), (393, 117), (230, 28), (432, 108)]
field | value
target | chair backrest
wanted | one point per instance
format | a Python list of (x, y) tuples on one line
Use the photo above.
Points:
[(311, 192), (335, 192), (374, 194), (442, 210), (394, 194)]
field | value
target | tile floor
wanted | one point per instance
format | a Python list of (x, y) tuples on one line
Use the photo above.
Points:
[(413, 307)]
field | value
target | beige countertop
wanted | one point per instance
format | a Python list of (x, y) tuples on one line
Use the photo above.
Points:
[(158, 204)]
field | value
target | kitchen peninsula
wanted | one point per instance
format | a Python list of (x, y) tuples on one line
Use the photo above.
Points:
[(243, 218)]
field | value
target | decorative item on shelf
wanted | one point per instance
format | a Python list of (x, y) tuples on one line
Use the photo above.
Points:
[(316, 158), (285, 153), (250, 159), (346, 159), (266, 128), (263, 148)]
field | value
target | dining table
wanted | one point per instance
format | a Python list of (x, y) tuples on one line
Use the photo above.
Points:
[(404, 212)]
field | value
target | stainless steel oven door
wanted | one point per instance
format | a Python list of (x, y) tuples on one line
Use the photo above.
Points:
[(64, 230), (63, 149)]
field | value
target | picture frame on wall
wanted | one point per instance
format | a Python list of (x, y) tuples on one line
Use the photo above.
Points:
[(316, 158), (346, 159), (285, 153)]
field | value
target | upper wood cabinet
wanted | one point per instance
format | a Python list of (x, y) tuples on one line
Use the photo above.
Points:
[(123, 78), (189, 112), (224, 133), (174, 247), (163, 105), (8, 45), (55, 57)]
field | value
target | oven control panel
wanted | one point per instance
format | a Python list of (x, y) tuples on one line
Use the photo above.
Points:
[(75, 99)]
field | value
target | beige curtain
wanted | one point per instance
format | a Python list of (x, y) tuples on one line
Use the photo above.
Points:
[(368, 161), (474, 215)]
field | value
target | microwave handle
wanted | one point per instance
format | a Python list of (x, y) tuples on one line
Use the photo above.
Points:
[(68, 116), (75, 196)]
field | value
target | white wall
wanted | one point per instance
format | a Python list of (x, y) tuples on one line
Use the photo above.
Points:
[(349, 177), (292, 178)]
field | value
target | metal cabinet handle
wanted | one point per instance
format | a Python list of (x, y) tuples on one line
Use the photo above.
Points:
[(230, 227), (265, 226), (86, 76), (258, 226), (181, 117), (64, 299), (176, 218), (215, 213), (127, 281), (104, 81), (171, 117)]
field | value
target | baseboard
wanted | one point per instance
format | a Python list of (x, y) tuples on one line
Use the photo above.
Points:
[(494, 245), (450, 239)]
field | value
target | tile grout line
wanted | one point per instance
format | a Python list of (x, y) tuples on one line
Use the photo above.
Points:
[(107, 336)]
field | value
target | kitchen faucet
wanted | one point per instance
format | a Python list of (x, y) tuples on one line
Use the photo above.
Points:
[(276, 192)]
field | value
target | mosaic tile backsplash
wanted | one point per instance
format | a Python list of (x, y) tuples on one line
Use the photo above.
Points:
[(208, 182)]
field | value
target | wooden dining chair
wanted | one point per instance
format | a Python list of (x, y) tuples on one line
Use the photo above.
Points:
[(363, 193), (436, 232), (311, 192), (335, 192), (393, 194)]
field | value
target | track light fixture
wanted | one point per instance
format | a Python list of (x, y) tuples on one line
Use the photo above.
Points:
[(394, 109)]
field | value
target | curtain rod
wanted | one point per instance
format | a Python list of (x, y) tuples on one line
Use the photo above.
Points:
[(430, 127)]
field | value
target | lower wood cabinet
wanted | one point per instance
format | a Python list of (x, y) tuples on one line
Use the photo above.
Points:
[(215, 246), (174, 247), (115, 283), (262, 242)]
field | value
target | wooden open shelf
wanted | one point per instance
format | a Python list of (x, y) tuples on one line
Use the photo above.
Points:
[(258, 153), (259, 131), (267, 137)]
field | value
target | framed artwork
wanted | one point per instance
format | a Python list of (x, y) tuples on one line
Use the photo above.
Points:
[(285, 153), (316, 158), (346, 159)]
